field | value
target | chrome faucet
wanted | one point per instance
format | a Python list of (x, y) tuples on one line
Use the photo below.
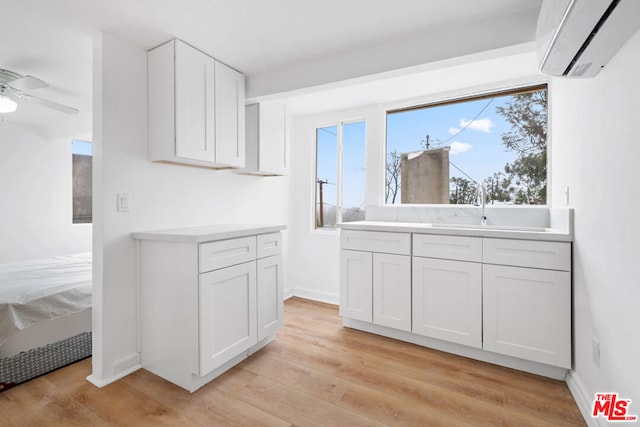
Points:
[(481, 195)]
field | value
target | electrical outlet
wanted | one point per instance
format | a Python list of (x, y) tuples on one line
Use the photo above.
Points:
[(595, 351)]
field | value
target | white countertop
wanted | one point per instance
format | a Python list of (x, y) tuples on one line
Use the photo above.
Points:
[(207, 233), (533, 233)]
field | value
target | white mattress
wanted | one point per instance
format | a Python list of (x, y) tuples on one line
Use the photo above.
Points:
[(33, 292)]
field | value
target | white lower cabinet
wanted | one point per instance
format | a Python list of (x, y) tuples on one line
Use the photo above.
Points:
[(375, 278), (228, 324), (207, 305), (447, 300), (356, 292), (510, 297), (270, 295), (392, 291), (527, 313)]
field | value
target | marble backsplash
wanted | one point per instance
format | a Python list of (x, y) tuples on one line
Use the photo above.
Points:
[(522, 216)]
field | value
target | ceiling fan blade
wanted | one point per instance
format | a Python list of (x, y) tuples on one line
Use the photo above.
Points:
[(27, 83), (45, 102)]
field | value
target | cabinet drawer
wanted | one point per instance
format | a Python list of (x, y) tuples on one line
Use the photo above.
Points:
[(527, 253), (269, 244), (448, 247), (215, 255), (376, 241)]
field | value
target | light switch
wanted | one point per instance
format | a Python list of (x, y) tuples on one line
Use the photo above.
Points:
[(123, 203)]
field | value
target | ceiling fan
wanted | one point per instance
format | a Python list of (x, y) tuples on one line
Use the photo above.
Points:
[(14, 88)]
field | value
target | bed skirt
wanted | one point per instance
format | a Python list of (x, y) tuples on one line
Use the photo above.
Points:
[(39, 361)]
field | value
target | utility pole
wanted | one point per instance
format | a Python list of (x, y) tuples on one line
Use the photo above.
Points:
[(426, 142), (321, 183)]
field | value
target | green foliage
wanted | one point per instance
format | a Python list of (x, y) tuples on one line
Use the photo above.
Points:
[(499, 188), (529, 176), (527, 114), (525, 180), (463, 191)]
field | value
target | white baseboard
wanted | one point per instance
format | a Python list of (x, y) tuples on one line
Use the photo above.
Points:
[(101, 382), (583, 399), (312, 295), (288, 293)]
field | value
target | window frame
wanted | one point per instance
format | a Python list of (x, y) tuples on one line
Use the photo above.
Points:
[(461, 95), (339, 180)]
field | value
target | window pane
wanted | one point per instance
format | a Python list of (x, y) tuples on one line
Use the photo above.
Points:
[(440, 153), (82, 181), (326, 176), (353, 171)]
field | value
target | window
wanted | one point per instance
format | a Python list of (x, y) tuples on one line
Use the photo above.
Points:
[(82, 181), (340, 174), (440, 153)]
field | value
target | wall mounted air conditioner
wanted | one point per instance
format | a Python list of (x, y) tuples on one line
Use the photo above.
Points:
[(577, 38)]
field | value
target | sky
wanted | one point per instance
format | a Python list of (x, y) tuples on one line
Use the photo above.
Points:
[(81, 147), (475, 145)]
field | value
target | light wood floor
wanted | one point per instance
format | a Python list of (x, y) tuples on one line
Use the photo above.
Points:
[(316, 373)]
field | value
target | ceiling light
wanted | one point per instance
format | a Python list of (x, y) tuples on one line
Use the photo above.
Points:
[(7, 104)]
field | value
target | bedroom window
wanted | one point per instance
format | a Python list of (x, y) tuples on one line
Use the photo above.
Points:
[(82, 181), (440, 153), (340, 174)]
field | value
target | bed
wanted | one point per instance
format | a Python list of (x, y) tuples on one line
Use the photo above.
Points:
[(45, 315)]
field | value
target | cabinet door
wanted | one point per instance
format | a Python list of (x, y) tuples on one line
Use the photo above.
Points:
[(356, 291), (228, 324), (270, 301), (229, 96), (527, 313), (392, 291), (194, 99), (272, 143), (447, 300)]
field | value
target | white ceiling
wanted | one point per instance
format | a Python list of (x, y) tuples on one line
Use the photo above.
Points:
[(281, 45)]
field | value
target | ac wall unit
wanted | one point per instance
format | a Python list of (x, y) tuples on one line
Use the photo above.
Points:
[(577, 38)]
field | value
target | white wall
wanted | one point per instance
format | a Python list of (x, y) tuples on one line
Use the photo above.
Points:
[(36, 189), (596, 147), (162, 196), (314, 265)]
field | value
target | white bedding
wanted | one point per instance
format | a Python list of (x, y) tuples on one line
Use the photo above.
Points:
[(32, 292)]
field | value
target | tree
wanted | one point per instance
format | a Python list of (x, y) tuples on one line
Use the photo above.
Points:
[(526, 177), (463, 191), (527, 114), (528, 174), (392, 177), (499, 188)]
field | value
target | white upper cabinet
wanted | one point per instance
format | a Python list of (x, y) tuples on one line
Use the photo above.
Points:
[(194, 104), (196, 108), (229, 128), (266, 139)]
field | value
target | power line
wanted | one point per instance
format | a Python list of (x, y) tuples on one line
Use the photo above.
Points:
[(468, 124), (463, 172)]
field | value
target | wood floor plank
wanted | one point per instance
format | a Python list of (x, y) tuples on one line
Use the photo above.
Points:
[(42, 404), (316, 373), (357, 399), (298, 407), (298, 376), (210, 406), (415, 369)]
